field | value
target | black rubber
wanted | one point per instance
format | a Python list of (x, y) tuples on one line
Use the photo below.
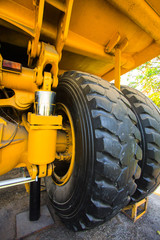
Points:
[(148, 116), (107, 152), (34, 200)]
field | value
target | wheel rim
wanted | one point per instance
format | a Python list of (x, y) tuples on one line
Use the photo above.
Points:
[(68, 127)]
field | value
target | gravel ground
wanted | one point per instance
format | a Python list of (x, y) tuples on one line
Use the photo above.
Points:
[(15, 200)]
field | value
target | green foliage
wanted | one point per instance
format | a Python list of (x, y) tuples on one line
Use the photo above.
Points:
[(146, 78)]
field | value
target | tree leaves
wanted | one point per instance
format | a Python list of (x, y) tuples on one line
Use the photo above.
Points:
[(146, 78)]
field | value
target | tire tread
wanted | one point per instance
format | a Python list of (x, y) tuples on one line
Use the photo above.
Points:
[(149, 117)]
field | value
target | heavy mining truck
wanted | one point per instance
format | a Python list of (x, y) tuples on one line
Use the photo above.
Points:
[(96, 143)]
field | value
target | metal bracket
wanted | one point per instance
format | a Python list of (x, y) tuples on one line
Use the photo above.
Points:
[(34, 46), (117, 68), (112, 43), (21, 100), (64, 27), (116, 48), (47, 82), (48, 55), (118, 52), (40, 171)]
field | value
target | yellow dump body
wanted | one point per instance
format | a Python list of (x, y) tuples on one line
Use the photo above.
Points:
[(96, 28)]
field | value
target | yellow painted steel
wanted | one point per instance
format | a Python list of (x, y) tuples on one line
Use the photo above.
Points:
[(91, 27), (62, 31), (42, 138), (117, 67), (61, 143), (112, 43), (139, 206), (57, 4), (23, 85), (39, 8), (39, 149), (13, 145), (142, 14), (15, 153), (21, 100), (61, 180), (47, 55), (23, 81)]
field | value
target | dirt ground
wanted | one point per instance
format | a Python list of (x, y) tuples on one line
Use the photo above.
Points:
[(15, 200)]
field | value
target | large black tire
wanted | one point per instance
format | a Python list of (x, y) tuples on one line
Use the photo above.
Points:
[(107, 152), (148, 117)]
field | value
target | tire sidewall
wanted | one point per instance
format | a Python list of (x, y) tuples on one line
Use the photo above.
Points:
[(69, 199)]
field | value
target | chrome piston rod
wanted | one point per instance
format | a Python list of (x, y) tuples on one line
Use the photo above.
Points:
[(15, 182)]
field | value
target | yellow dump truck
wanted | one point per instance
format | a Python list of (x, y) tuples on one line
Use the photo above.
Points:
[(97, 144)]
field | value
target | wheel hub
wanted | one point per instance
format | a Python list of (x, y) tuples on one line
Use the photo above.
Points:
[(64, 162)]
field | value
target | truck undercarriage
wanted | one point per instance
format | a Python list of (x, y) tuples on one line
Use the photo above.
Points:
[(97, 144)]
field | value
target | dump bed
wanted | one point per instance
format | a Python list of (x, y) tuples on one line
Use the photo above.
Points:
[(96, 28)]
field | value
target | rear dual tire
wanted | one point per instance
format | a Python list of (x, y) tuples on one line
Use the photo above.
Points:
[(148, 117), (106, 153)]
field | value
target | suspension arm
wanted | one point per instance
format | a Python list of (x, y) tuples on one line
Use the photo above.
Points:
[(24, 81)]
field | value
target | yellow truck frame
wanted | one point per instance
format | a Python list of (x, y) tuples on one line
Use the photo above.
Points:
[(106, 38)]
